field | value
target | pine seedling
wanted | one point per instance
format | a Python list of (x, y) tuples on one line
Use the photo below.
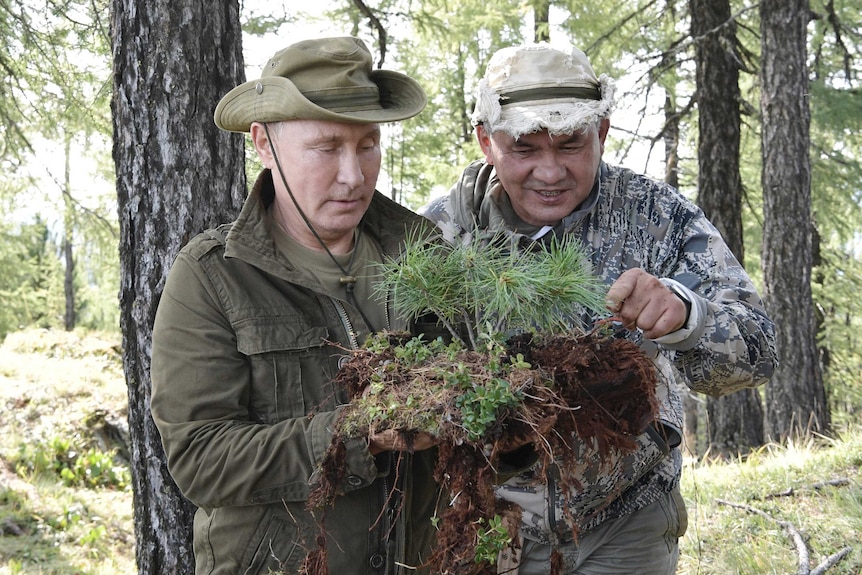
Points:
[(489, 287)]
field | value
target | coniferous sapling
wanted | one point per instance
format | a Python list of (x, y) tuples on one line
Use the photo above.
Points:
[(512, 367)]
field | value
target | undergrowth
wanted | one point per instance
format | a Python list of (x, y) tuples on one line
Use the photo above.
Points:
[(743, 513), (49, 528), (65, 499)]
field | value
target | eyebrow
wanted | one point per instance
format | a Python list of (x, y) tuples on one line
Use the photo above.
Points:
[(329, 138), (573, 138)]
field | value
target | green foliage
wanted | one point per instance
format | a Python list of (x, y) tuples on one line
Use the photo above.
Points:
[(268, 21), (836, 172), (835, 287), (483, 281), (31, 279), (493, 538), (480, 404), (59, 457), (414, 351), (477, 394), (55, 102)]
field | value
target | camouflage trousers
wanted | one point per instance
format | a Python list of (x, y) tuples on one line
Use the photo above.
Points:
[(644, 542)]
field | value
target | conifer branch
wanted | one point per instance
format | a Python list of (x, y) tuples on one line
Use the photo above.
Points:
[(485, 280)]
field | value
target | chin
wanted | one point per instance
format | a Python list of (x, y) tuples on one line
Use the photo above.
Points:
[(344, 225), (548, 219)]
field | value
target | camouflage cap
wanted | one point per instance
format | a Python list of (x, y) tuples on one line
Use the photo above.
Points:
[(534, 87)]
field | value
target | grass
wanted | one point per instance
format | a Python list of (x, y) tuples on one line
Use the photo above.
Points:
[(65, 504), (742, 514), (52, 384)]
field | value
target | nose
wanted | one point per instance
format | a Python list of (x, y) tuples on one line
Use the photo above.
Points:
[(548, 169), (350, 169)]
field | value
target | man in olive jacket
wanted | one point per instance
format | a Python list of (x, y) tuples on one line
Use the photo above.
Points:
[(257, 315)]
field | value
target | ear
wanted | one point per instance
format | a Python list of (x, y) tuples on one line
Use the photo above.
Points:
[(604, 126), (484, 139), (261, 144)]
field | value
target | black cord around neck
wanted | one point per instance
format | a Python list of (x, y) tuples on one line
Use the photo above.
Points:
[(347, 279)]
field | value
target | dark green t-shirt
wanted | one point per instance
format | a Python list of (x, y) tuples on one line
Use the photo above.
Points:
[(318, 267)]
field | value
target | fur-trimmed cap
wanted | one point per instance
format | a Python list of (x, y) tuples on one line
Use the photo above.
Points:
[(536, 87)]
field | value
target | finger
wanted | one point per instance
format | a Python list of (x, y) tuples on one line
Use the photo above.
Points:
[(632, 309), (621, 289), (664, 314), (423, 441)]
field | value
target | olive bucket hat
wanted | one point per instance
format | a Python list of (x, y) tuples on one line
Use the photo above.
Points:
[(321, 79)]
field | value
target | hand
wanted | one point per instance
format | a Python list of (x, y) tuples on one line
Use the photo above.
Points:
[(513, 442), (641, 301), (394, 440)]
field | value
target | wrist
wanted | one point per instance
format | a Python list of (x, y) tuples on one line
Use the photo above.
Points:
[(681, 293)]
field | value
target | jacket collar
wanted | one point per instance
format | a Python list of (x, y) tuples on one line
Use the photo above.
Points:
[(250, 237), (473, 201)]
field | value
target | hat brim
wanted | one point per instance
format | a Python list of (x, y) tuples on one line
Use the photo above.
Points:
[(275, 99)]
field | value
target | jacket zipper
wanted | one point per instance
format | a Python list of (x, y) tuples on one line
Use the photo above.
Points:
[(386, 525), (552, 508), (353, 340), (388, 519)]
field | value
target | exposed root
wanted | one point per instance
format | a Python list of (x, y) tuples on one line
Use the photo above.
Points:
[(593, 390)]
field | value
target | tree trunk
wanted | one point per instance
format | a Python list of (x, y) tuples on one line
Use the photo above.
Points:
[(177, 174), (795, 397), (541, 20), (68, 249), (735, 420), (670, 137)]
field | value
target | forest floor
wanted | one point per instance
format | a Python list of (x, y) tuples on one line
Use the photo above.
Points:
[(66, 503), (65, 494)]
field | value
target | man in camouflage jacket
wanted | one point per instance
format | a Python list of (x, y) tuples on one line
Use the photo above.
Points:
[(541, 120)]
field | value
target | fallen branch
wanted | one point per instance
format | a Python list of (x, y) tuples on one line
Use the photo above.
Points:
[(831, 561), (789, 492), (798, 541)]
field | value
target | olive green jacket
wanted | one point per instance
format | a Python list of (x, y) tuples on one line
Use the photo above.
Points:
[(244, 352)]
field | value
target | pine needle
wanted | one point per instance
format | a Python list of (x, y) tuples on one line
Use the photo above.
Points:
[(482, 281)]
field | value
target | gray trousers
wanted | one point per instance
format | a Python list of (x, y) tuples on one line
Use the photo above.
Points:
[(642, 543)]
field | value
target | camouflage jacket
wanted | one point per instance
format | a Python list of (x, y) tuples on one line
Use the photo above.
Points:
[(631, 221)]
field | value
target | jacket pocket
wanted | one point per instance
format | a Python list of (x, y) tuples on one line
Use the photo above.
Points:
[(274, 547), (274, 333), (290, 365), (680, 524)]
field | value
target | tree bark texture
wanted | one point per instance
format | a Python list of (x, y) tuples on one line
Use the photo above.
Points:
[(69, 317), (718, 100), (795, 397), (541, 20), (735, 420), (177, 174)]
